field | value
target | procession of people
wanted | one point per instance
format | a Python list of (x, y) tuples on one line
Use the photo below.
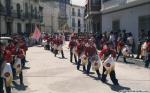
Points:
[(54, 43), (12, 62), (85, 50)]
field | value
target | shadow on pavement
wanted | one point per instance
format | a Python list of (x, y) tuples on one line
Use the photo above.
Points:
[(38, 45), (126, 62), (118, 88), (61, 58), (92, 73), (94, 77), (15, 77), (26, 61), (74, 63), (19, 87), (85, 72), (129, 63), (25, 68)]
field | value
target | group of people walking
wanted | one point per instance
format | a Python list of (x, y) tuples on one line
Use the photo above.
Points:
[(125, 44), (12, 61), (84, 51), (86, 54), (54, 43)]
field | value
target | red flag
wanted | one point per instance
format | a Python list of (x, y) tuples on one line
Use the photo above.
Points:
[(36, 34)]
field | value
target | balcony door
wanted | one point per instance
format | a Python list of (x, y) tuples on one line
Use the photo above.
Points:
[(144, 24), (18, 10), (115, 25), (9, 28), (8, 7), (19, 28)]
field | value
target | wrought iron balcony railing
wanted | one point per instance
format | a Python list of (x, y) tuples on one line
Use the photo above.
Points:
[(21, 15), (2, 11)]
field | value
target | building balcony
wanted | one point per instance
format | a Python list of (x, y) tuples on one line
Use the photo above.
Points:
[(40, 19), (2, 11), (1, 8), (63, 17), (27, 15), (5, 12), (95, 8), (91, 13), (74, 25), (77, 25), (14, 14), (18, 15), (92, 9), (31, 16), (73, 14)]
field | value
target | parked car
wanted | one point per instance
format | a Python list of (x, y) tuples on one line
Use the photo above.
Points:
[(5, 40)]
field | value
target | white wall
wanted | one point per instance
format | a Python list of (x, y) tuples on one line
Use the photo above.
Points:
[(119, 4), (77, 17), (110, 4), (3, 26), (128, 19), (68, 11), (15, 20), (47, 13), (50, 16)]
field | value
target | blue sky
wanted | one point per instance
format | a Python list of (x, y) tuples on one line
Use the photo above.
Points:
[(79, 2)]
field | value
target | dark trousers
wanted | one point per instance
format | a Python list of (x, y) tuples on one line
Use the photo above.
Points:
[(21, 78), (88, 67), (23, 62), (47, 47), (55, 52), (132, 50), (71, 56), (78, 65), (119, 54), (52, 49), (98, 73), (147, 61), (62, 53), (1, 85), (124, 58), (112, 76), (13, 69), (139, 50), (8, 88)]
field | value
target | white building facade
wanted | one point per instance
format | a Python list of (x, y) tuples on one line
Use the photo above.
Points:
[(130, 15), (50, 16), (56, 15), (77, 18), (61, 16), (19, 16)]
